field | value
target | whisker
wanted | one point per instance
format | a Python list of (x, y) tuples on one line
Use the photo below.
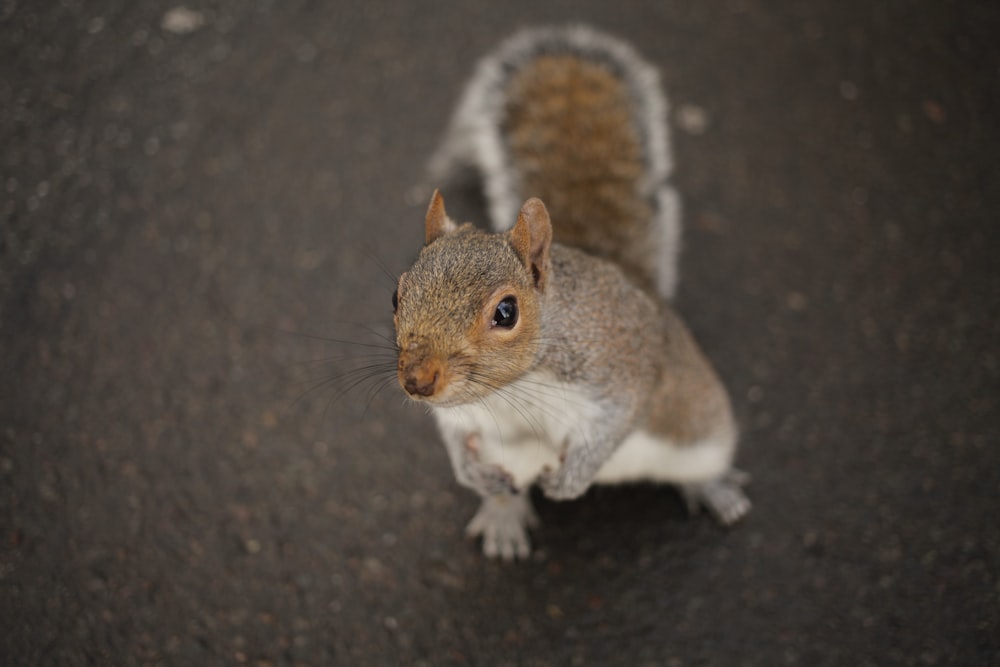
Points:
[(547, 392), (364, 378), (372, 395), (390, 341), (515, 402), (354, 377), (535, 399), (378, 262), (343, 357), (343, 341)]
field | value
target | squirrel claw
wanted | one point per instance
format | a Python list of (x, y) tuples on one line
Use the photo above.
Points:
[(502, 521)]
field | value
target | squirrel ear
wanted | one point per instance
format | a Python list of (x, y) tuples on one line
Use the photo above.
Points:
[(437, 223), (532, 238)]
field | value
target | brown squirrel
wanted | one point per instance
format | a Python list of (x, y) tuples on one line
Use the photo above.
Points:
[(546, 350)]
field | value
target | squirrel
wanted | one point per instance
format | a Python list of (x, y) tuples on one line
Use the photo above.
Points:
[(546, 350)]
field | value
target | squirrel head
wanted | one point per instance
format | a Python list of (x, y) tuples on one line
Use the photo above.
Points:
[(468, 312)]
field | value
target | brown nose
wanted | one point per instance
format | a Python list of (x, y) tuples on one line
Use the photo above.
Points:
[(423, 386)]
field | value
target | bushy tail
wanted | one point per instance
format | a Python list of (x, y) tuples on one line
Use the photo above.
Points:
[(605, 200)]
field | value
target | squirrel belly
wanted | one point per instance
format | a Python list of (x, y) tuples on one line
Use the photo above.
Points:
[(522, 437)]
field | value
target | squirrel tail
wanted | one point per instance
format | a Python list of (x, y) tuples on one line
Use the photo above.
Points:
[(613, 204)]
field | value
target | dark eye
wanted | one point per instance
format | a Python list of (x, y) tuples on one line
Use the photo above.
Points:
[(395, 300), (506, 314)]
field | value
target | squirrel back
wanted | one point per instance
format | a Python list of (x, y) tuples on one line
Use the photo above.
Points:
[(578, 119)]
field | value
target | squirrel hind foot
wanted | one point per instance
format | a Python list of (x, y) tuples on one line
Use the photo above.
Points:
[(503, 521), (723, 497)]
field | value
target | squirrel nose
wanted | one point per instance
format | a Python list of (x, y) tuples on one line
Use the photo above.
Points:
[(421, 386)]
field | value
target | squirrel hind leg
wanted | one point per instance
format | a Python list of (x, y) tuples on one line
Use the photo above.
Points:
[(722, 497), (503, 521)]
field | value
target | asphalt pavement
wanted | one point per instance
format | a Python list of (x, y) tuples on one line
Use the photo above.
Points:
[(204, 462)]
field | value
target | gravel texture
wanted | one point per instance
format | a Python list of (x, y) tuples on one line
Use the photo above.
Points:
[(202, 209)]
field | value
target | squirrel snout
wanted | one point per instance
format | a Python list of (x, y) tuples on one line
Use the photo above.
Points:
[(419, 386), (420, 379)]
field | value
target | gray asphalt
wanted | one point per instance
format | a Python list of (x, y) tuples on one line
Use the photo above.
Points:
[(200, 221)]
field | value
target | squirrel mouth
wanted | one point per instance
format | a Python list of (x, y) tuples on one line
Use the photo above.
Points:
[(437, 391)]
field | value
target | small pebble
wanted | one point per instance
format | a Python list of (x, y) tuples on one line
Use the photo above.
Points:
[(935, 112), (692, 119), (181, 20), (796, 301), (306, 52), (849, 90)]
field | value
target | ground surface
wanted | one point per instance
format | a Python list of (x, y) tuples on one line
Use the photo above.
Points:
[(187, 198)]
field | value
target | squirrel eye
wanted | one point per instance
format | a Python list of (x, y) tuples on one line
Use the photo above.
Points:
[(395, 300), (506, 313)]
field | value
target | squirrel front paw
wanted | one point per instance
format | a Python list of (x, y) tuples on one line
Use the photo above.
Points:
[(562, 484), (503, 521), (487, 479)]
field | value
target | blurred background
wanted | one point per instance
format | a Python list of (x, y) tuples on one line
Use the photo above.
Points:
[(203, 209)]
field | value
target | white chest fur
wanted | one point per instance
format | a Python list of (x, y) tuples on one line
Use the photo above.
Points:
[(524, 426)]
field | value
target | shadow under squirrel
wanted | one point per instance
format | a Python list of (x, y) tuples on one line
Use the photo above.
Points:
[(546, 350)]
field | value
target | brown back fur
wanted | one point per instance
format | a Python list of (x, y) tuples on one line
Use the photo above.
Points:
[(572, 137)]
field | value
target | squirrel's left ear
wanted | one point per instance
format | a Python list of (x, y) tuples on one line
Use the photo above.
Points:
[(532, 238), (437, 223)]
